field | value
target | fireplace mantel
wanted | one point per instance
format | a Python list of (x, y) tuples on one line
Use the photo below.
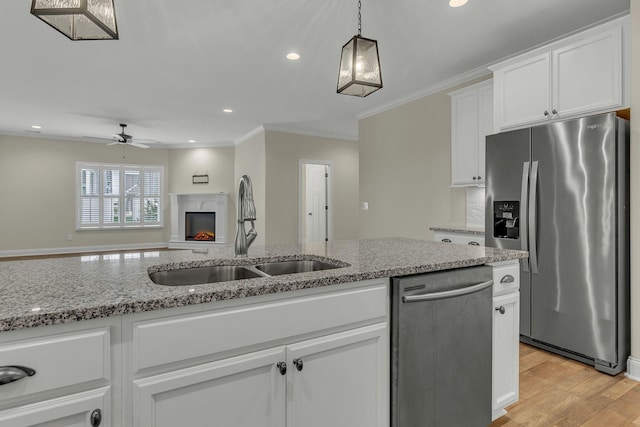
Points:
[(197, 202)]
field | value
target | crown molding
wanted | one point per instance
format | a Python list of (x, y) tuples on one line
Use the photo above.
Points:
[(318, 134)]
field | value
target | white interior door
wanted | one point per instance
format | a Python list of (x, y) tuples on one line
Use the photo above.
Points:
[(315, 202)]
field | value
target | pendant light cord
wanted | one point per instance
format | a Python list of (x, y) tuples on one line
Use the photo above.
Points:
[(359, 18)]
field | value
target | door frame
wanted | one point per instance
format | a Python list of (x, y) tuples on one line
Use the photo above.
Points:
[(301, 201)]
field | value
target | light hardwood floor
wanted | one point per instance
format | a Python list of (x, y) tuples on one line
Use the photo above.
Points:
[(556, 391)]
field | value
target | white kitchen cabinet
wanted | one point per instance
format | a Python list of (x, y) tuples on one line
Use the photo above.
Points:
[(279, 362), (345, 372), (339, 380), (75, 410), (460, 238), (471, 122), (506, 334), (71, 375), (583, 74)]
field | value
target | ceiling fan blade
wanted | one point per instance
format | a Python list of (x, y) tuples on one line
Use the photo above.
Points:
[(137, 144), (145, 141)]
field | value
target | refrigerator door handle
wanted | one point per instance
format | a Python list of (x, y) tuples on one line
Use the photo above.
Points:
[(533, 243), (523, 217)]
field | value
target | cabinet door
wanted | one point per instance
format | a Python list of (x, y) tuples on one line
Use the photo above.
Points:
[(464, 139), (68, 411), (342, 380), (587, 75), (506, 332), (485, 126), (522, 92), (244, 391)]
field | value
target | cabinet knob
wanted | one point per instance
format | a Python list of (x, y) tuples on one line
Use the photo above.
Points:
[(554, 111), (479, 177), (9, 374), (282, 366), (546, 113), (474, 178), (96, 418), (298, 363), (501, 309), (446, 240)]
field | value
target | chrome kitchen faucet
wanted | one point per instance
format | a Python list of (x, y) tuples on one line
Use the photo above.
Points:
[(246, 212)]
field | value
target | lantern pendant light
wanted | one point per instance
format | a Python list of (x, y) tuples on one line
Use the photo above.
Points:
[(79, 19), (359, 73)]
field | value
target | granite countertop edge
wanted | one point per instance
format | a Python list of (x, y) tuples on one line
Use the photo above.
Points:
[(459, 229), (153, 297)]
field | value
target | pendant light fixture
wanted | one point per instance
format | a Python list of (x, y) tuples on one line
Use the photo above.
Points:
[(79, 19), (359, 73)]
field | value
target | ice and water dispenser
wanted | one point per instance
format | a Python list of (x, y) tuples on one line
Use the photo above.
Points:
[(506, 220)]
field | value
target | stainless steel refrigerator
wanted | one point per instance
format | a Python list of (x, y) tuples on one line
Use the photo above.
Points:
[(561, 192)]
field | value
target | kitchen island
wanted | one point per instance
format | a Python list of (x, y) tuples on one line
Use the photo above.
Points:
[(107, 343)]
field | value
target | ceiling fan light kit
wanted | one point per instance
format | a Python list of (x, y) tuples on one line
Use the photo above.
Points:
[(359, 73), (79, 19)]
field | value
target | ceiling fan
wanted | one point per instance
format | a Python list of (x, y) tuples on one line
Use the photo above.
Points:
[(123, 138)]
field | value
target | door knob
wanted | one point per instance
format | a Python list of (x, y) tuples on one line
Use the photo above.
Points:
[(282, 366)]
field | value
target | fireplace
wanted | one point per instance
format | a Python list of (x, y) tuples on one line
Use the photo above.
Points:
[(200, 226)]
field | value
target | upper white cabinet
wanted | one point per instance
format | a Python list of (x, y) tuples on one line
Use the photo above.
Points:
[(582, 74), (471, 122)]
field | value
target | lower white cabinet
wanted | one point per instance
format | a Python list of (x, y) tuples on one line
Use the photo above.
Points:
[(335, 380), (66, 377), (74, 410), (306, 359), (506, 336)]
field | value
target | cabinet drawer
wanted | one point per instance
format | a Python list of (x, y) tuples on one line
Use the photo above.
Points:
[(58, 360), (159, 342), (459, 238), (506, 278)]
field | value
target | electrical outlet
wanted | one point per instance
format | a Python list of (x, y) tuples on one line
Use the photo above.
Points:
[(365, 206)]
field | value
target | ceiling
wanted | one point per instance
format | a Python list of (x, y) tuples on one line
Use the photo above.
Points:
[(178, 64)]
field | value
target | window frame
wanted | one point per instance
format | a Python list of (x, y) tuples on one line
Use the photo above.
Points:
[(122, 196)]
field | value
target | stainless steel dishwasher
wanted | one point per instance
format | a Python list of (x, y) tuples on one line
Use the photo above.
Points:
[(441, 348)]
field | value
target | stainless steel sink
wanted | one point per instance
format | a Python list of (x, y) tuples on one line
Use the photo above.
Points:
[(224, 273), (297, 266), (200, 275)]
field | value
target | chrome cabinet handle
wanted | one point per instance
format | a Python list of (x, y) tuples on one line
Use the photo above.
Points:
[(9, 374), (473, 243), (298, 363), (96, 418), (507, 279), (501, 309), (446, 240), (282, 366)]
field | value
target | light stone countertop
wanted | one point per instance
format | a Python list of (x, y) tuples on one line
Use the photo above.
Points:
[(60, 290), (459, 229)]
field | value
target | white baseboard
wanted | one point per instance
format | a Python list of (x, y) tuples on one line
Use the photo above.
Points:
[(80, 249), (633, 369)]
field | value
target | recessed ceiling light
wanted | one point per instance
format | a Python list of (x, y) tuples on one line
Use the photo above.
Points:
[(36, 127), (457, 3), (228, 110), (292, 56), (192, 140)]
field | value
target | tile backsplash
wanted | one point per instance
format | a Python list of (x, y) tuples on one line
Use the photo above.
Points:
[(475, 207)]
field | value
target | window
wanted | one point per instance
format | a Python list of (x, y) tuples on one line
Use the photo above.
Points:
[(118, 196)]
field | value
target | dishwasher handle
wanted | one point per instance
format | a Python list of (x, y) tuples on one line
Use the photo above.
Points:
[(447, 294)]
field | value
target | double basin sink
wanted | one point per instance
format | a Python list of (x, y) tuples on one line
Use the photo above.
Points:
[(225, 273)]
